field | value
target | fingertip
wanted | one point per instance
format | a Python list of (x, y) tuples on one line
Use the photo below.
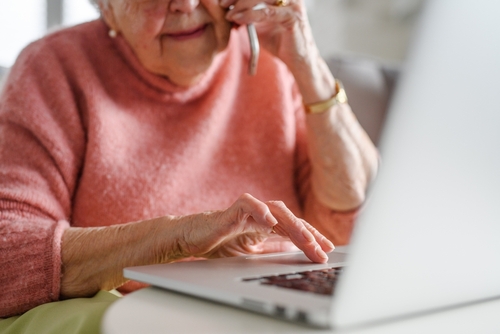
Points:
[(224, 3), (234, 17), (270, 219), (328, 246), (321, 254)]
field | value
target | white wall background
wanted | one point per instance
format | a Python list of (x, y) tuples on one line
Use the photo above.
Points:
[(375, 28), (379, 29), (22, 21)]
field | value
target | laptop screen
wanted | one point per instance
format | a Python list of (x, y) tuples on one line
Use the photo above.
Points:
[(429, 235)]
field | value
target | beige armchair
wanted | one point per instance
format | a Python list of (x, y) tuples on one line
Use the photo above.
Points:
[(3, 74), (369, 85)]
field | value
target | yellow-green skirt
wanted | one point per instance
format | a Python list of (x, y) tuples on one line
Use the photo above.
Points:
[(79, 315)]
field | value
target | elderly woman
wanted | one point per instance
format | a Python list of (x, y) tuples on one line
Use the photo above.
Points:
[(140, 138)]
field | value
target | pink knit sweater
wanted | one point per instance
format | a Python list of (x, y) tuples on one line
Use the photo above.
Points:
[(89, 138)]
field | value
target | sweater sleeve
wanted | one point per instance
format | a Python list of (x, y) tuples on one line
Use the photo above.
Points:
[(335, 225), (41, 148)]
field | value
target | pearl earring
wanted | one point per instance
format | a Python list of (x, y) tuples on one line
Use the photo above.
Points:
[(112, 33)]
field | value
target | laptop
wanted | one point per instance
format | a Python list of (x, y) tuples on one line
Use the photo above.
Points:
[(428, 238)]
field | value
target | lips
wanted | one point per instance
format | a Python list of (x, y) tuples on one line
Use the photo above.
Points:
[(188, 34)]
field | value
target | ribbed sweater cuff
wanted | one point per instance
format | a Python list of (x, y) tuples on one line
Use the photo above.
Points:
[(61, 226)]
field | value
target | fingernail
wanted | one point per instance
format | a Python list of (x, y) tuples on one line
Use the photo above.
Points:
[(259, 6), (320, 253), (236, 16), (328, 243), (271, 220), (223, 3)]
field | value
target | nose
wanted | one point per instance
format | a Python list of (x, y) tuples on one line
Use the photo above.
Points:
[(185, 6)]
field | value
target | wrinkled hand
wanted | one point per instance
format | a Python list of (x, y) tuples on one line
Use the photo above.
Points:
[(243, 228), (284, 31)]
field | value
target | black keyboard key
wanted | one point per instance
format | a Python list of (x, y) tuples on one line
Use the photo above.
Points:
[(317, 281)]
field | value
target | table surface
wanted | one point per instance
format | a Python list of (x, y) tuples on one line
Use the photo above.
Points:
[(153, 310)]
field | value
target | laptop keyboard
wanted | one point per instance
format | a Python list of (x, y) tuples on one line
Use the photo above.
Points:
[(320, 281)]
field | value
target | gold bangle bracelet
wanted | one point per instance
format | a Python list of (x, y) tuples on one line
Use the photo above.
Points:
[(319, 107)]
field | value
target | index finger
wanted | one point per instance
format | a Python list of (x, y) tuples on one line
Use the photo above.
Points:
[(303, 235)]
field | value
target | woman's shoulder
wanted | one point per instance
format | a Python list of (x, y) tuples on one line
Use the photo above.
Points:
[(66, 54), (65, 43), (87, 32)]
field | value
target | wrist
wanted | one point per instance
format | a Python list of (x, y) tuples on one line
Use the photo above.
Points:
[(168, 238), (315, 81), (339, 97)]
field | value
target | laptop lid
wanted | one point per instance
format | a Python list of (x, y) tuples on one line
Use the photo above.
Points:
[(429, 236)]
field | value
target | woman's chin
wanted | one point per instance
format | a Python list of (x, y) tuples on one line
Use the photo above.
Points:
[(185, 81), (187, 73)]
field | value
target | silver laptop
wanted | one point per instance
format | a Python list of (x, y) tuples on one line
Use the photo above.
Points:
[(429, 236)]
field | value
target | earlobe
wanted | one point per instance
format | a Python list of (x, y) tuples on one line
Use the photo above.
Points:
[(108, 15)]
